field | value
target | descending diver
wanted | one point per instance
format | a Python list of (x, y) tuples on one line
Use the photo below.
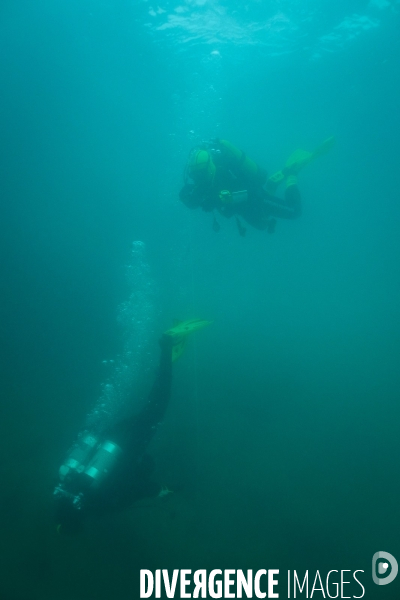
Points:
[(110, 473), (219, 176)]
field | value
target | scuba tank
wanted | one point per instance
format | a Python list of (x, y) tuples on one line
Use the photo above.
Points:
[(86, 466), (78, 457), (102, 462)]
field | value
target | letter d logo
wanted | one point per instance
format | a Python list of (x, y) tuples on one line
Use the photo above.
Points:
[(382, 563)]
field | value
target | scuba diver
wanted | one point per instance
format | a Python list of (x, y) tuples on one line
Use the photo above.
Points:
[(109, 472), (220, 177)]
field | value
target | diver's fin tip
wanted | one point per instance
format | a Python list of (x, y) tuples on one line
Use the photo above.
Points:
[(180, 332)]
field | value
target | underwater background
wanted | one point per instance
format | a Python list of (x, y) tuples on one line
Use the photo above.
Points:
[(281, 442)]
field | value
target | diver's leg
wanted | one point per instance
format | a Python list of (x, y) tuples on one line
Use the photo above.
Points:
[(254, 214), (293, 197), (134, 434), (290, 207), (253, 210), (261, 206), (158, 399)]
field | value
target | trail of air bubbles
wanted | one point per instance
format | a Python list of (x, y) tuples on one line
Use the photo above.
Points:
[(122, 391)]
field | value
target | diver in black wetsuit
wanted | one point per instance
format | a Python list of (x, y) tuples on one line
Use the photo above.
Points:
[(220, 177), (109, 474)]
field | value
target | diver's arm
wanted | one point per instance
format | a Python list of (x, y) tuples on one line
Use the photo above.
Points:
[(189, 196)]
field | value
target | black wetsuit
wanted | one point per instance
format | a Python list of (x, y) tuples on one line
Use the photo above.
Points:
[(259, 209), (260, 206), (130, 478)]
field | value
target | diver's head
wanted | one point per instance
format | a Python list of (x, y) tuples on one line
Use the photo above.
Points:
[(201, 167), (68, 513)]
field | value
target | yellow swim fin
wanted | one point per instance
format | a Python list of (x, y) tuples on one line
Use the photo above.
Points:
[(179, 334), (297, 161)]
